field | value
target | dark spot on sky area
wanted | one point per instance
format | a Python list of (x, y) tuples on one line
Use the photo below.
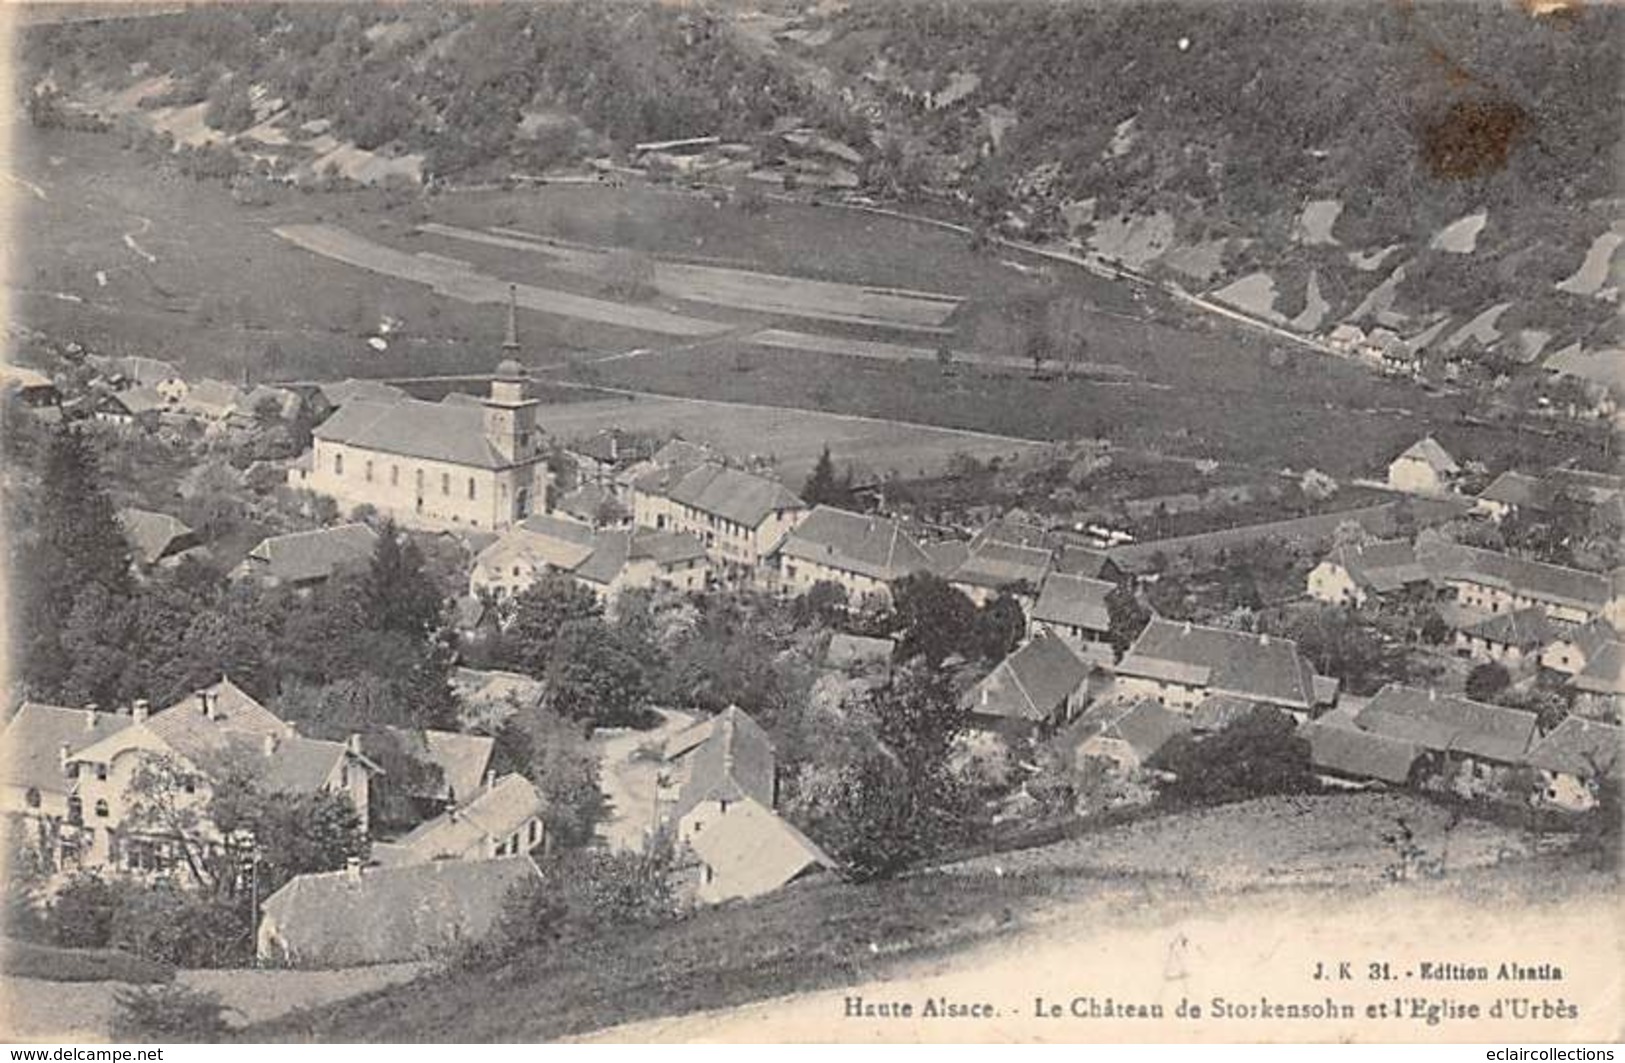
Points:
[(1472, 138)]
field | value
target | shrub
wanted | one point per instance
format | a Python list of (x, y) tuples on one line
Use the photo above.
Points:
[(1487, 680), (1259, 754), (81, 915), (169, 1013), (173, 926)]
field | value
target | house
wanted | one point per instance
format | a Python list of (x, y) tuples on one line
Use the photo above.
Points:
[(1499, 583), (283, 404), (1131, 732), (1342, 753), (501, 818), (1572, 758), (1507, 638), (1218, 711), (1038, 687), (1600, 686), (1074, 609), (1571, 648), (602, 457), (1006, 553), (207, 402), (1425, 468), (1353, 575), (305, 559), (594, 505), (535, 546), (490, 696), (1484, 740), (739, 516), (138, 405), (36, 786), (720, 794), (1511, 492), (864, 555), (140, 371), (218, 730), (1345, 338), (1181, 664), (859, 654), (462, 759), (33, 388), (341, 392), (156, 538), (478, 464), (387, 915)]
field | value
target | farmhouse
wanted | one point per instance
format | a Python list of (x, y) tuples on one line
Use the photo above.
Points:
[(1500, 583), (1600, 685), (1508, 638), (1425, 468), (502, 818), (602, 457), (536, 545), (1005, 554), (387, 915), (605, 561), (462, 760), (220, 727), (1570, 649), (1573, 758), (1131, 732), (739, 516), (1512, 492), (341, 392), (1181, 664), (156, 538), (305, 559), (1342, 752), (32, 388), (1352, 575), (1032, 691), (1483, 739), (139, 405), (1073, 608), (864, 555)]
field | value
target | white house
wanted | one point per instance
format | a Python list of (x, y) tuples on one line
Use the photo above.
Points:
[(1425, 468), (1352, 575), (865, 555), (739, 516)]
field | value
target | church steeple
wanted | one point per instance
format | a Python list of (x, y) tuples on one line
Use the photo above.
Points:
[(510, 339)]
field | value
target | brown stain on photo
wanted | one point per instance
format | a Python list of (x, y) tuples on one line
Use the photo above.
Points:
[(1472, 138)]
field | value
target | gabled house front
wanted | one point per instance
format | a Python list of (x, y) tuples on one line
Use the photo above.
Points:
[(1181, 664)]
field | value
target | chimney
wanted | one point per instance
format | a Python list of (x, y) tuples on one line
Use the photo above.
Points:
[(1263, 638), (205, 704), (64, 753), (353, 744), (490, 781), (1433, 693), (141, 710), (352, 869), (268, 743), (90, 719), (1186, 630)]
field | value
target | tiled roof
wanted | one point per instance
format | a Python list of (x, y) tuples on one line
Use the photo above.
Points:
[(946, 555), (1444, 723), (1514, 488), (1000, 564), (311, 555), (615, 548), (752, 850), (1523, 627), (611, 446), (1074, 600), (288, 763), (1074, 560), (1145, 727), (210, 398), (31, 746), (233, 709), (461, 758), (1568, 586), (149, 371), (1230, 662), (541, 540), (1383, 566), (741, 497), (1338, 746), (491, 814), (1031, 684), (450, 432), (857, 651), (136, 400), (1578, 746), (852, 542), (150, 533), (729, 758), (1605, 367), (390, 914), (589, 502), (1427, 449), (1604, 672)]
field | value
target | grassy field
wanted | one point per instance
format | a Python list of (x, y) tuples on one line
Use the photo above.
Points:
[(826, 934)]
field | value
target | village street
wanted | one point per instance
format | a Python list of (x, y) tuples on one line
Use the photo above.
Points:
[(629, 766)]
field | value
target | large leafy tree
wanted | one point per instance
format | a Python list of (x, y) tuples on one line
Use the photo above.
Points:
[(400, 594), (595, 677), (1259, 754), (540, 612), (934, 619)]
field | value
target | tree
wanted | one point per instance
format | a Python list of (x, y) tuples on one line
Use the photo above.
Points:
[(539, 613), (552, 753), (823, 487), (1259, 754), (595, 677), (1126, 617), (823, 604), (292, 833), (935, 619), (1334, 640), (400, 594), (1001, 625), (1487, 680)]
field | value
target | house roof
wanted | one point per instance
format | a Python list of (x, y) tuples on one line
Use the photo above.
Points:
[(1535, 579), (999, 564), (741, 497), (438, 431), (390, 914), (145, 370), (1445, 723), (1075, 560), (491, 814), (1578, 746), (1031, 683), (1604, 671), (588, 502), (1523, 627), (233, 709), (311, 555), (341, 392), (946, 555), (288, 763), (136, 400), (288, 401), (1595, 487), (1428, 450), (1075, 600), (1336, 745), (1513, 488), (857, 651), (1257, 667), (1144, 726), (210, 398), (729, 758), (151, 533), (612, 446), (753, 850), (1013, 531), (853, 542), (614, 549), (1384, 566), (480, 688), (1218, 711), (682, 452), (541, 540), (31, 745), (21, 376), (461, 758), (1605, 367)]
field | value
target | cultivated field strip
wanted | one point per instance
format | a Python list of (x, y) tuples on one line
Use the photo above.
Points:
[(469, 285), (767, 293)]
